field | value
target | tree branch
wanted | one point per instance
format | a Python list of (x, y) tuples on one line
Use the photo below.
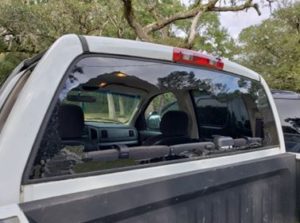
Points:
[(179, 16), (198, 2), (248, 4), (143, 32), (129, 15), (193, 29)]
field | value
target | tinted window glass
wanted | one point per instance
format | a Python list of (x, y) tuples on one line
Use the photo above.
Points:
[(95, 124), (210, 111), (222, 109), (104, 106), (289, 113), (160, 105)]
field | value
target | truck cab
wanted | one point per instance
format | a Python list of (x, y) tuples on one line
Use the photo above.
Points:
[(110, 130)]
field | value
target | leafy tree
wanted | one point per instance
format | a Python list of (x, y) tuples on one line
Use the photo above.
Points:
[(164, 14), (213, 38), (8, 62), (30, 26), (273, 48)]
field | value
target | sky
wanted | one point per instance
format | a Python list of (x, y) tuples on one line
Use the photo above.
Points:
[(235, 22)]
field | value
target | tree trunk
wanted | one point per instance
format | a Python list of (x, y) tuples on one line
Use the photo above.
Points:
[(121, 105), (111, 106)]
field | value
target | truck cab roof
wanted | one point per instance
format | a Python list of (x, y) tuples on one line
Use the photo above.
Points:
[(284, 94), (150, 50)]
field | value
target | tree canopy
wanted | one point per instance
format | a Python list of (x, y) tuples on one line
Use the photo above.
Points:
[(30, 26), (273, 48), (27, 28), (165, 13)]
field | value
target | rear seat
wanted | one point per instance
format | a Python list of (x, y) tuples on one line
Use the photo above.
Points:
[(123, 152), (147, 152), (198, 148), (152, 152), (102, 155)]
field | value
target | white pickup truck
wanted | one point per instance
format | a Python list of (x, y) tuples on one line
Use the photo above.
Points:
[(80, 140)]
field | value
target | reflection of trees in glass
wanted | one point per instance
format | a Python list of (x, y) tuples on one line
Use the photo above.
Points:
[(161, 101), (180, 80), (295, 124), (254, 89), (258, 95), (220, 91), (243, 83)]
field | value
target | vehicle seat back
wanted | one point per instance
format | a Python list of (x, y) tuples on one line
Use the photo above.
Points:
[(71, 122), (174, 129)]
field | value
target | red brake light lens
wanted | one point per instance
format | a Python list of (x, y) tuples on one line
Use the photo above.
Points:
[(196, 58)]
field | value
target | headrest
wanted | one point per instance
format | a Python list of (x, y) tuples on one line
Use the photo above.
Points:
[(71, 121), (174, 123)]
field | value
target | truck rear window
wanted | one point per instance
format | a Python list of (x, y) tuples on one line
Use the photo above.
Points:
[(109, 116), (289, 114)]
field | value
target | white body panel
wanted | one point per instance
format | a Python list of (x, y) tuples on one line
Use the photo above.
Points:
[(23, 123), (22, 126), (154, 51), (57, 188), (9, 88), (240, 70), (275, 114), (129, 48), (12, 212)]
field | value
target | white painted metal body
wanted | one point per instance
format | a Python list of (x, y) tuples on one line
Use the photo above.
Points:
[(5, 93), (23, 124), (24, 121), (12, 213)]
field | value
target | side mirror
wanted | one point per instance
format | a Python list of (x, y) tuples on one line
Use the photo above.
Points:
[(153, 121)]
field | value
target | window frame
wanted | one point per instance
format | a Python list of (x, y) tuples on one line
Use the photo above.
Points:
[(28, 168)]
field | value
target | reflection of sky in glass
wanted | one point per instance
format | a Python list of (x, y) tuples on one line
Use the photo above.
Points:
[(152, 71)]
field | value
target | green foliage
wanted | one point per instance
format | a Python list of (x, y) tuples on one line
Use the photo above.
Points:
[(213, 38), (273, 48), (31, 26), (160, 101), (8, 62), (35, 26), (148, 11)]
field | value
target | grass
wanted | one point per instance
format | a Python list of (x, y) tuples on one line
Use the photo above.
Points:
[(105, 116), (89, 166), (102, 165)]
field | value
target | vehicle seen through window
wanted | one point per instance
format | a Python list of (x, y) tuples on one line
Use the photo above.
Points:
[(288, 105), (114, 114)]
